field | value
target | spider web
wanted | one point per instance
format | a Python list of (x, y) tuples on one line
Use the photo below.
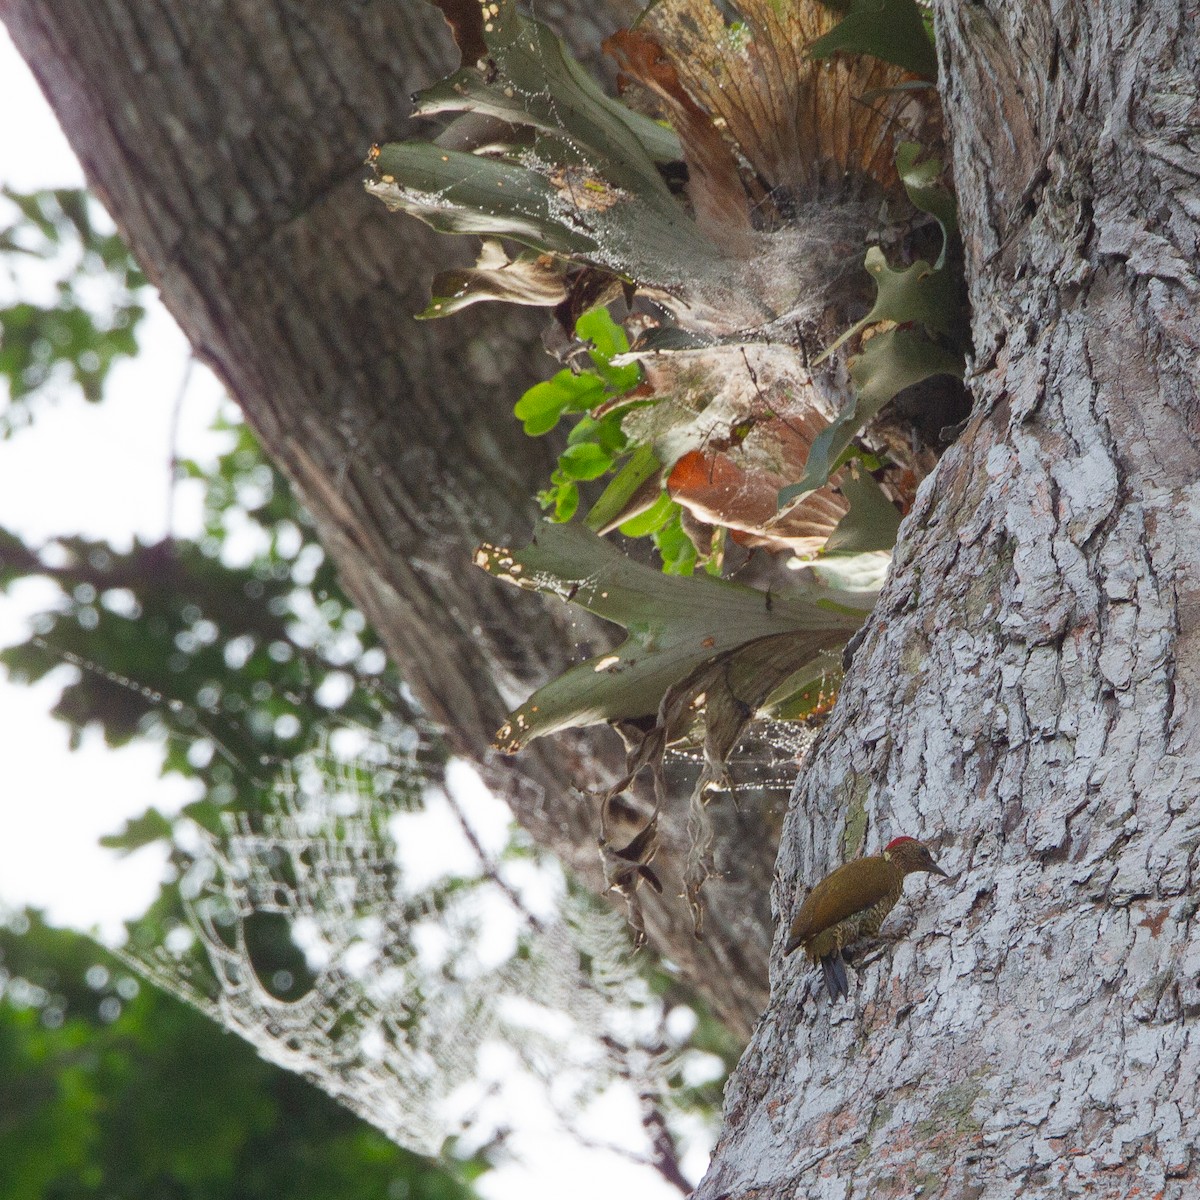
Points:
[(426, 998), (431, 1004)]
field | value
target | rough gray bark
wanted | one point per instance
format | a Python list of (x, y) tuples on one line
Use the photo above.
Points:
[(1035, 1033), (227, 140)]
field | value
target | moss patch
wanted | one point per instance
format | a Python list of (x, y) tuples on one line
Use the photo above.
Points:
[(952, 1110), (855, 831)]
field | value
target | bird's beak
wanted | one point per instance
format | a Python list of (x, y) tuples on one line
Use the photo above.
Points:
[(936, 870)]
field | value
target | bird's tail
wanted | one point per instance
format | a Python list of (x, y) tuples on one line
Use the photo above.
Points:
[(836, 983)]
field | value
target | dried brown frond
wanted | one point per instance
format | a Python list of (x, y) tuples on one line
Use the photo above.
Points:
[(714, 185), (803, 126), (739, 489)]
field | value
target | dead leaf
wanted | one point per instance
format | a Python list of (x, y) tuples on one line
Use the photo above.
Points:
[(716, 488), (802, 125), (714, 184)]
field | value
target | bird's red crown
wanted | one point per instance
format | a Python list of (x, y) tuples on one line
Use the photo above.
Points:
[(896, 842)]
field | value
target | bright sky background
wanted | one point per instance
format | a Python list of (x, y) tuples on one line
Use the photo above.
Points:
[(104, 471)]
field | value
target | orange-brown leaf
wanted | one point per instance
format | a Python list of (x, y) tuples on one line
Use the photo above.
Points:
[(801, 124), (714, 184), (728, 488)]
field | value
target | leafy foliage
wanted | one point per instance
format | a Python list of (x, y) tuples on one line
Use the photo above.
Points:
[(674, 627), (726, 442), (595, 444), (724, 241), (582, 182), (110, 1088), (56, 239)]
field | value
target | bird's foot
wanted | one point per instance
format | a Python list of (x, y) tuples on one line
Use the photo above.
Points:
[(869, 950)]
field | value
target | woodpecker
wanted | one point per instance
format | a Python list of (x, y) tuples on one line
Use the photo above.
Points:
[(851, 902)]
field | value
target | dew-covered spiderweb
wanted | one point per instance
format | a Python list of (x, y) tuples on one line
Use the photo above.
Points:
[(334, 929), (439, 973)]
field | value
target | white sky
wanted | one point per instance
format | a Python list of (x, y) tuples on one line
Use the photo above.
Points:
[(103, 471)]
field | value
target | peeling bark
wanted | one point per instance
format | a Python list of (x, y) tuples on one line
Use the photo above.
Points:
[(1034, 1033)]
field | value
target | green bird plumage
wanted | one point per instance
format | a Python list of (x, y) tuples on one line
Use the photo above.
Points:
[(850, 904)]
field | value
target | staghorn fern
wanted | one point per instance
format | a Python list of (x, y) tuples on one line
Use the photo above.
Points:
[(765, 363)]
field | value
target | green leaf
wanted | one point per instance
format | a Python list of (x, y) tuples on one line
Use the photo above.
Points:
[(641, 466), (542, 405), (568, 210), (468, 91), (566, 501), (653, 519), (151, 826), (586, 460), (918, 293), (465, 193), (921, 183), (594, 443), (606, 336), (588, 189), (677, 551), (607, 339), (893, 30), (873, 520), (92, 320), (619, 380), (674, 626), (557, 96), (807, 691), (894, 360), (606, 433), (206, 814), (889, 363)]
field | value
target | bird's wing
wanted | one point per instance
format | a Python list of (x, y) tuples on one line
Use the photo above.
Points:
[(853, 887)]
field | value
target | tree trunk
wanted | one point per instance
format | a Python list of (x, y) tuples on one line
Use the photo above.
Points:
[(1035, 1032), (227, 140)]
